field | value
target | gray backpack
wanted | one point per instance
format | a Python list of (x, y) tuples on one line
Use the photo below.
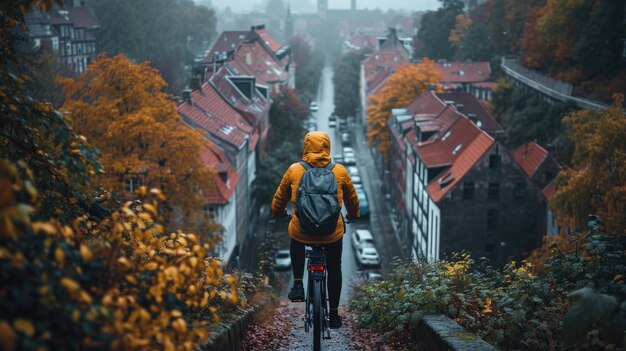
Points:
[(317, 202)]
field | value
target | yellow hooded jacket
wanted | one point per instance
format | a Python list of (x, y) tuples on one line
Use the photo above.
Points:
[(317, 154)]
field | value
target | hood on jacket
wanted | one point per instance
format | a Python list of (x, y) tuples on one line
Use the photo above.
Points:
[(316, 149)]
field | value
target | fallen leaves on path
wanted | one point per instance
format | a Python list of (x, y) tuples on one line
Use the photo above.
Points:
[(282, 330), (269, 333)]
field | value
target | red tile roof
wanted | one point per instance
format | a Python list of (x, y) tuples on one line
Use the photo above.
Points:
[(530, 156), (549, 189), (211, 102), (269, 40), (362, 41), (254, 140), (252, 59), (471, 105), (441, 150), (469, 155), (252, 110), (464, 72), (378, 80), (81, 17), (486, 85), (385, 59), (215, 126), (427, 103), (227, 41), (225, 178)]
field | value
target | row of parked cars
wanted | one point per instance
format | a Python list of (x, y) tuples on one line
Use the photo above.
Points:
[(364, 250)]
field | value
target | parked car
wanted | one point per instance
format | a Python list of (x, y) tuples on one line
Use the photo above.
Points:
[(343, 124), (356, 179), (283, 259), (353, 171), (367, 256), (313, 107), (311, 124), (349, 160), (332, 124), (348, 150), (373, 275), (332, 118), (338, 159), (345, 138), (362, 237), (364, 206)]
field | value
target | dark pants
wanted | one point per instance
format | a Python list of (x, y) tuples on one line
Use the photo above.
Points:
[(333, 265)]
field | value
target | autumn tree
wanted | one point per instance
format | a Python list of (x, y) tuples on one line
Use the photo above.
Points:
[(409, 82), (120, 108), (596, 181)]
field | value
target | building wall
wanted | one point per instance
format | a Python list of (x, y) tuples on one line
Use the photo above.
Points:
[(511, 225), (226, 216)]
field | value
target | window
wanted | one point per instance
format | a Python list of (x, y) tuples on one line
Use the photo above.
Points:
[(132, 183), (468, 190), (492, 219), (548, 176), (494, 191), (495, 161), (520, 190)]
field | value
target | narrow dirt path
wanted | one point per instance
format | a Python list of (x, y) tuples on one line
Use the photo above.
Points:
[(283, 330)]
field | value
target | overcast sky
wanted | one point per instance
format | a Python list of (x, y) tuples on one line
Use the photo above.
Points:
[(411, 5)]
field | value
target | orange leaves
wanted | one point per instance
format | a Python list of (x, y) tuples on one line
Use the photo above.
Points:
[(596, 182), (409, 82), (121, 108)]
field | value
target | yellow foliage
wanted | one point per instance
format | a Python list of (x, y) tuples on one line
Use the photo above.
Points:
[(458, 33), (409, 82), (596, 182), (24, 326)]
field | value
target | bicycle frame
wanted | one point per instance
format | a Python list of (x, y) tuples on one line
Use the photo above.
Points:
[(316, 308)]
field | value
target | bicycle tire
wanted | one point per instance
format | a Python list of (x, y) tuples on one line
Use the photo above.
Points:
[(317, 315)]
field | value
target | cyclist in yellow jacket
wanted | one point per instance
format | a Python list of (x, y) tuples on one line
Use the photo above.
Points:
[(317, 154)]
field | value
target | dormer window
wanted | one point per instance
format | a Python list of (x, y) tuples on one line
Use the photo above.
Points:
[(457, 149)]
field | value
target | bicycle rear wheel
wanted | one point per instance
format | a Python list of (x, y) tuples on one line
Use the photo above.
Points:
[(317, 315)]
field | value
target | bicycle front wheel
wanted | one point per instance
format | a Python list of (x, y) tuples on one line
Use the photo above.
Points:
[(317, 315)]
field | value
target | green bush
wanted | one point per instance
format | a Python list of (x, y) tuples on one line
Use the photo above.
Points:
[(511, 307)]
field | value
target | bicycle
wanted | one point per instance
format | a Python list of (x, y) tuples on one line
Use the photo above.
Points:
[(316, 302), (316, 310)]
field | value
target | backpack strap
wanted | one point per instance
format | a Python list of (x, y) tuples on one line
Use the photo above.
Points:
[(307, 166)]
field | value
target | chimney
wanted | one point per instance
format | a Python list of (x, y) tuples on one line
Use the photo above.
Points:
[(187, 96), (252, 28), (194, 84), (353, 5)]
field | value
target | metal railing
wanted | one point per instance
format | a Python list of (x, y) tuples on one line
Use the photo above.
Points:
[(550, 87)]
